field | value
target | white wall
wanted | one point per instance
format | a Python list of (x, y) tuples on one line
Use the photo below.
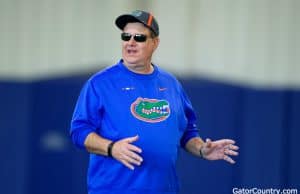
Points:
[(253, 41), (49, 37)]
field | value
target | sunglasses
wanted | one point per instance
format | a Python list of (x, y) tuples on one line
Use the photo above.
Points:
[(137, 37)]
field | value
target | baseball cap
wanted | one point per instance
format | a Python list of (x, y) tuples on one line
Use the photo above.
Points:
[(138, 16)]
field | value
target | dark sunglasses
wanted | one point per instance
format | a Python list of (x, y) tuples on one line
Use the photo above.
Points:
[(137, 37)]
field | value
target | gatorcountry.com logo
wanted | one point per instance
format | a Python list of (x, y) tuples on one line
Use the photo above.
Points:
[(150, 110)]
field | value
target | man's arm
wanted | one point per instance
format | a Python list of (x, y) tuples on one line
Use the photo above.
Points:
[(194, 146), (213, 150), (96, 144), (123, 150)]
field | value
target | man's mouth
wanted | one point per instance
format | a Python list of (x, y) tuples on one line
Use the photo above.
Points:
[(131, 51)]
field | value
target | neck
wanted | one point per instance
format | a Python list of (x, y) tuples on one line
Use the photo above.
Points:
[(140, 68)]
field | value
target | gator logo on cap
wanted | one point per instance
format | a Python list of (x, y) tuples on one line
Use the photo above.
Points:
[(150, 110)]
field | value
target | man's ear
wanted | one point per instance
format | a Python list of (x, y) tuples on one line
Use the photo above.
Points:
[(156, 41)]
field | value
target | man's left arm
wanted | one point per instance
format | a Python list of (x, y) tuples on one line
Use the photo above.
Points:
[(221, 149), (194, 146), (210, 150)]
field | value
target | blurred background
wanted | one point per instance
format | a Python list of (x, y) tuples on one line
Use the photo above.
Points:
[(238, 60)]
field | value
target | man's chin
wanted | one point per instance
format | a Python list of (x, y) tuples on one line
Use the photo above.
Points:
[(131, 61)]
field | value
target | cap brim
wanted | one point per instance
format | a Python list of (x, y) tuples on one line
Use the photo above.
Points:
[(122, 20)]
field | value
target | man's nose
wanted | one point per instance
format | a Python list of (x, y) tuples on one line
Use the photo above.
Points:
[(132, 41)]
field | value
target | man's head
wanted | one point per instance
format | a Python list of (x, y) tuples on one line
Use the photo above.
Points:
[(139, 16), (140, 39)]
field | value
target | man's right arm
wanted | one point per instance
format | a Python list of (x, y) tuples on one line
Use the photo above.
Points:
[(96, 144), (85, 122), (123, 150)]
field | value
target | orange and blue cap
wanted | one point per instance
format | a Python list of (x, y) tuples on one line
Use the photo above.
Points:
[(143, 17)]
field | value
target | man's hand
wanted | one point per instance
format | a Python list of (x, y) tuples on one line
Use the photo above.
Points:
[(220, 149), (126, 153)]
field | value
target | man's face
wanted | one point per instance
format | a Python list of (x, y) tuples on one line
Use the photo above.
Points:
[(135, 53)]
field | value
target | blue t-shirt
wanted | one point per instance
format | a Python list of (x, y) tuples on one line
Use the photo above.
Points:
[(117, 103)]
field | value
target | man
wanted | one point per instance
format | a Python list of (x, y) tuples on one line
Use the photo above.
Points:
[(133, 116)]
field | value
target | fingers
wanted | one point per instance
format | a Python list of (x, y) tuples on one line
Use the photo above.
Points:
[(131, 139), (228, 159), (231, 153), (220, 149), (127, 153), (230, 150), (232, 147), (128, 165), (134, 148), (226, 142), (131, 161), (132, 157)]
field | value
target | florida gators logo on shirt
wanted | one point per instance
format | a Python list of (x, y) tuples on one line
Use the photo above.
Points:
[(150, 110)]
